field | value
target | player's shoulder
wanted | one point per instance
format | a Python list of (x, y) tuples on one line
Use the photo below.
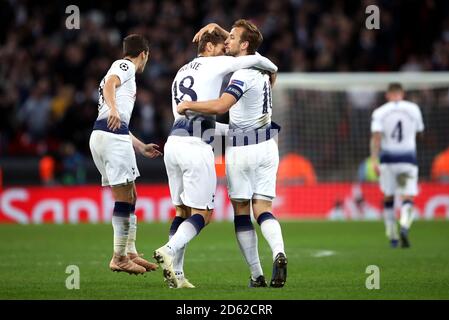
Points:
[(382, 109), (245, 74), (411, 108), (123, 65)]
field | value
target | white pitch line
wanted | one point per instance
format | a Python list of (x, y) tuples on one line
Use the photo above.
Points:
[(323, 253)]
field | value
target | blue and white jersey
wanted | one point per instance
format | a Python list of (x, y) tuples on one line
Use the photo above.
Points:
[(252, 90), (125, 94), (201, 80), (398, 122)]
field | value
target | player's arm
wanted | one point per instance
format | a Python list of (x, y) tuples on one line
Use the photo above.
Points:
[(209, 28), (231, 64), (375, 145), (112, 82), (376, 138), (217, 106), (147, 150)]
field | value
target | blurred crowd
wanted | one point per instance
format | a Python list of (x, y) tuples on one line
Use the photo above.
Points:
[(49, 75)]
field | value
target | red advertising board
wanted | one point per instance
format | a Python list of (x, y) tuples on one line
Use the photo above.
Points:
[(338, 201)]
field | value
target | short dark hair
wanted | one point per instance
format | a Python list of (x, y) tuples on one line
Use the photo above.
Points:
[(395, 87), (134, 44), (215, 37), (250, 33)]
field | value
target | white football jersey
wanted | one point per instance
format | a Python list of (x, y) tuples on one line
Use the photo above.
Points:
[(125, 94), (253, 108), (398, 122), (201, 79)]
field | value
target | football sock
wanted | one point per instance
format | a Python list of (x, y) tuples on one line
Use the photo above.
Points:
[(178, 263), (271, 230), (187, 230), (407, 214), (120, 224), (247, 240), (131, 243), (391, 228)]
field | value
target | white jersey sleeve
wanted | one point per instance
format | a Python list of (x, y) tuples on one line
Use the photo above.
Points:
[(125, 94), (228, 64), (376, 123), (419, 120), (238, 84), (123, 69)]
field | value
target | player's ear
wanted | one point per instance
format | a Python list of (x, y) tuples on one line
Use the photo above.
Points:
[(244, 45), (210, 46)]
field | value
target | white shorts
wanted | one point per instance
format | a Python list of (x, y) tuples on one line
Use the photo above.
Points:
[(400, 178), (191, 173), (114, 157), (251, 170)]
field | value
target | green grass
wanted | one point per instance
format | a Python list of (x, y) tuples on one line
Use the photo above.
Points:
[(34, 259)]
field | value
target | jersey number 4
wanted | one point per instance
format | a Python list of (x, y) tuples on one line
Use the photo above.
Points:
[(185, 90), (397, 131)]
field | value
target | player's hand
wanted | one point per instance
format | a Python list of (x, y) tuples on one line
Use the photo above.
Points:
[(114, 121), (209, 28), (183, 107), (376, 168), (150, 150)]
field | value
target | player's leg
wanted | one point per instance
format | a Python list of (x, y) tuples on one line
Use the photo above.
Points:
[(247, 239), (123, 195), (238, 174), (131, 250), (182, 213), (391, 228), (107, 149), (387, 184), (264, 193), (408, 188), (196, 163), (272, 232), (187, 230)]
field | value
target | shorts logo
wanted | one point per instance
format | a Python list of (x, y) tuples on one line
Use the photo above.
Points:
[(124, 66), (134, 171)]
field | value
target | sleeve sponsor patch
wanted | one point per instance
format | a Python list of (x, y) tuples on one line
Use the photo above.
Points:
[(237, 82)]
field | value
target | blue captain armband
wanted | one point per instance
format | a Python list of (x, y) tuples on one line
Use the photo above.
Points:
[(234, 91)]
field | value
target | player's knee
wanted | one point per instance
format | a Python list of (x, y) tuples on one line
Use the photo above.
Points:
[(182, 211), (388, 202), (407, 200), (241, 206), (260, 206)]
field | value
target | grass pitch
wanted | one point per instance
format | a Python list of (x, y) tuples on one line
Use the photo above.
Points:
[(327, 260)]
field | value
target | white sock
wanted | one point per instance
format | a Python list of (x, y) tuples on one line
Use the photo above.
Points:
[(121, 230), (271, 230), (186, 232), (247, 241), (178, 262), (391, 228), (407, 215), (131, 243)]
